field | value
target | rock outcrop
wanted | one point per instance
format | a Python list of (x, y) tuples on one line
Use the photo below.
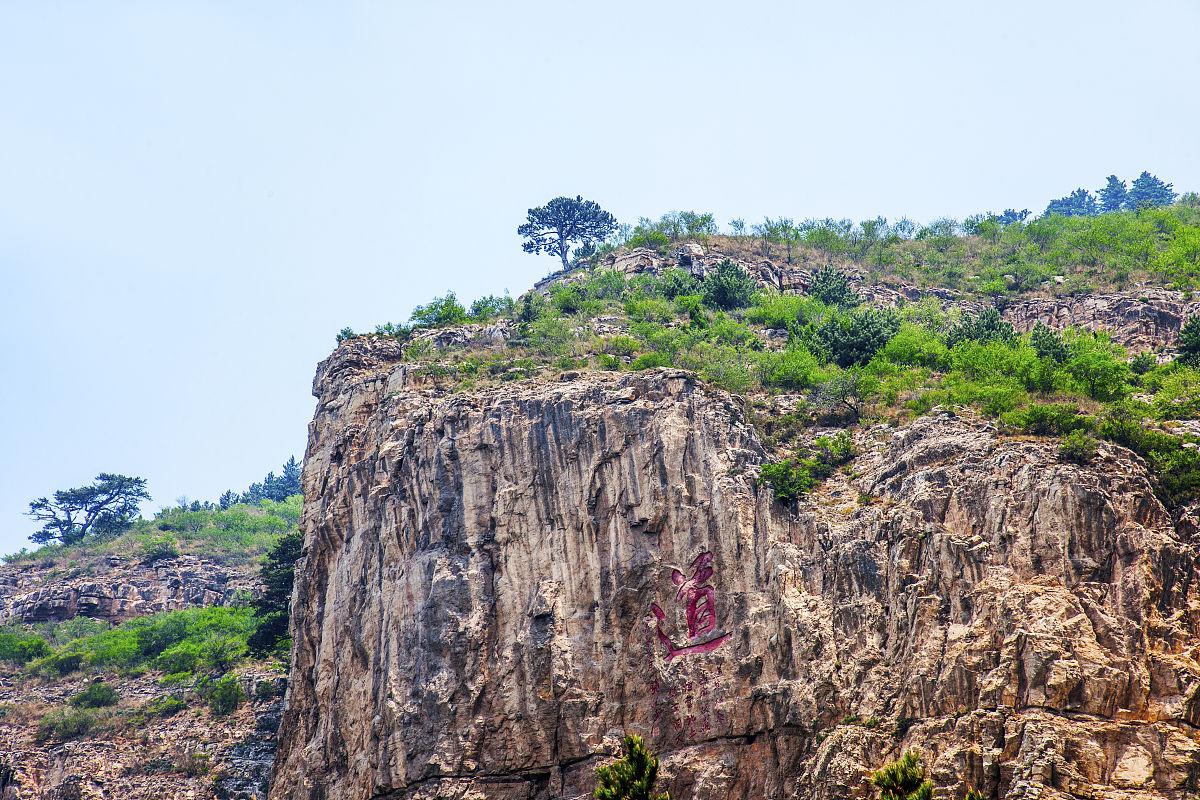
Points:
[(190, 755), (116, 588), (497, 584), (1149, 319)]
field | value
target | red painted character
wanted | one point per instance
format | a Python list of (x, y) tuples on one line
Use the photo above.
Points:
[(701, 610)]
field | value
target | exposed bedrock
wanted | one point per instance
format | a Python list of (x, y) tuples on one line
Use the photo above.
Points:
[(497, 584)]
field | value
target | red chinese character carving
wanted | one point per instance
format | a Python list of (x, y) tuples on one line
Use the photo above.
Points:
[(700, 610)]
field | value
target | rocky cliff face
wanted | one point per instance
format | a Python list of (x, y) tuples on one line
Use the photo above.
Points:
[(498, 584), (117, 588)]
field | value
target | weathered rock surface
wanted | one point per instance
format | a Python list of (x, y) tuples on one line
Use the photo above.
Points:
[(116, 588), (190, 755), (1148, 319), (497, 584)]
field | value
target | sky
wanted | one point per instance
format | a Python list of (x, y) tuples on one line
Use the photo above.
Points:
[(196, 197)]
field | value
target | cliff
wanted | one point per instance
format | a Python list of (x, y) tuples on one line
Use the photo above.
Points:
[(116, 588), (498, 583)]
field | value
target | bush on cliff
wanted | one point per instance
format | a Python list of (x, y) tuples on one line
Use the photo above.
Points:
[(903, 779), (632, 776), (21, 647), (63, 724), (97, 695), (198, 638)]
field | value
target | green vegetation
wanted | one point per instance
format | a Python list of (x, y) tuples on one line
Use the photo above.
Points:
[(99, 510), (210, 639), (238, 534), (277, 574), (632, 776), (564, 221), (852, 361), (903, 779), (797, 475), (97, 695), (63, 724), (21, 647), (223, 695)]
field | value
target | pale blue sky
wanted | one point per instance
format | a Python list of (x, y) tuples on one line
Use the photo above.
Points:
[(195, 197)]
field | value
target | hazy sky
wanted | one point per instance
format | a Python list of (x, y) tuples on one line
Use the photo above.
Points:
[(196, 197)]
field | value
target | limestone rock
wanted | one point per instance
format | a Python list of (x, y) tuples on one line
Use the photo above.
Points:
[(497, 584), (116, 588)]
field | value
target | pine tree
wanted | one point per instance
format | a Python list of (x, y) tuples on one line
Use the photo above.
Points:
[(832, 287), (278, 573), (1113, 195), (632, 776), (1148, 191), (1048, 343), (1079, 203), (1189, 343), (290, 480), (903, 779)]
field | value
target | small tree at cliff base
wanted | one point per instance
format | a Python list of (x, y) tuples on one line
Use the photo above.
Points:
[(278, 573), (903, 779), (630, 777), (104, 508), (552, 228)]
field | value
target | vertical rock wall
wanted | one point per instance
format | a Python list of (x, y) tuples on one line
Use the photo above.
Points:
[(498, 584)]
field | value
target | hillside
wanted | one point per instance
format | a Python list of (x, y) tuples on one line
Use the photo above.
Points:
[(783, 517), (127, 663), (787, 504)]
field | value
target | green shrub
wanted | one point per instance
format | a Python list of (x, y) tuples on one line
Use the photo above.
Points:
[(550, 336), (903, 779), (726, 367), (1048, 344), (794, 368), (619, 345), (836, 450), (987, 326), (651, 361), (649, 309), (159, 547), (783, 311), (916, 345), (439, 312), (692, 306), (20, 648), (96, 695), (790, 478), (1077, 447), (165, 706), (655, 240), (1097, 366), (1142, 363), (728, 287), (832, 287), (224, 695), (630, 777), (196, 638), (63, 724), (1048, 419), (856, 336), (568, 299), (675, 282), (490, 307), (605, 284)]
